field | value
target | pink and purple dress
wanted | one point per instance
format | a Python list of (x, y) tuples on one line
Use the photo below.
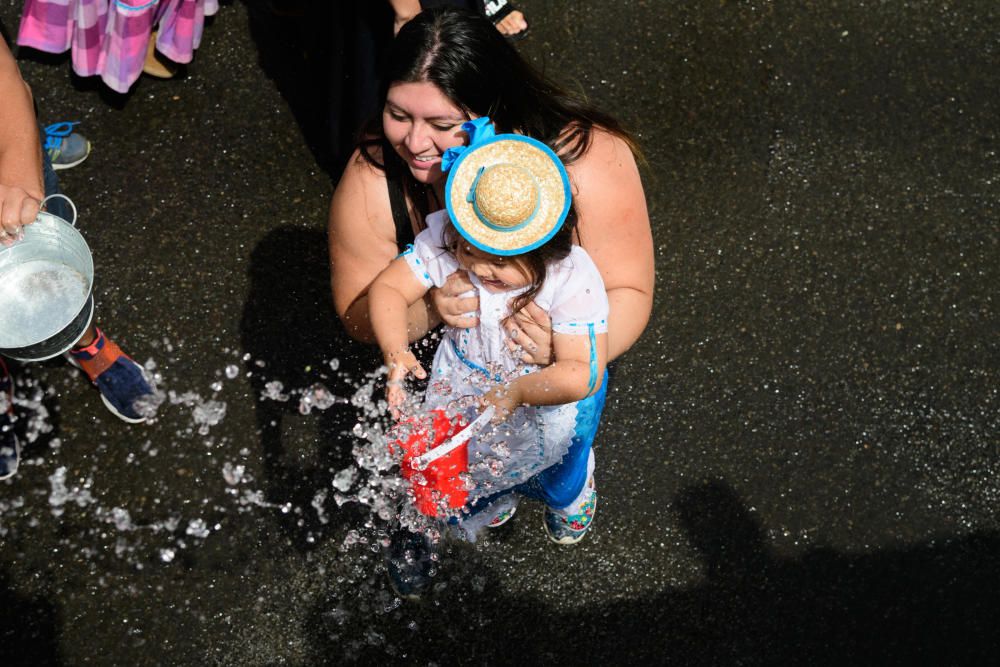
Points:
[(108, 38)]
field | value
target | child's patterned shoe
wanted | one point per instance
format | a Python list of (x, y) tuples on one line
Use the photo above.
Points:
[(10, 448), (503, 516), (120, 380), (570, 528)]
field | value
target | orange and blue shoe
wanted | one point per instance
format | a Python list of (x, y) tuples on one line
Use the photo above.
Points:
[(10, 448), (121, 381)]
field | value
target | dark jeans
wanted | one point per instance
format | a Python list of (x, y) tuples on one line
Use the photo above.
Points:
[(57, 206)]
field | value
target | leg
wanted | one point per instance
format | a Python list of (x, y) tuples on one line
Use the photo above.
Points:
[(568, 487), (121, 381), (10, 448), (569, 524)]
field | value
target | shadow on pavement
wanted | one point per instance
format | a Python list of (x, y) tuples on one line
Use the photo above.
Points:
[(325, 58), (935, 603), (29, 628), (289, 326)]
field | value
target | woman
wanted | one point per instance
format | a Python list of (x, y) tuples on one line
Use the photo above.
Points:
[(447, 67)]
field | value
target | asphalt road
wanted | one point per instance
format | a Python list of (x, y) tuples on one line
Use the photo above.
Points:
[(799, 461)]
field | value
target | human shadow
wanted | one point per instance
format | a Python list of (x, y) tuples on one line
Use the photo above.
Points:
[(29, 628), (932, 603), (291, 334), (302, 48)]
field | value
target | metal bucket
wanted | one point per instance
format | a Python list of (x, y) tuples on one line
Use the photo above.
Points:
[(46, 289)]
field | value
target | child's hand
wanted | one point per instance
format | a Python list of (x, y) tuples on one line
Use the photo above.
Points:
[(504, 398), (400, 365)]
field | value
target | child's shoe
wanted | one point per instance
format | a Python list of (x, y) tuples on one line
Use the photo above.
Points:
[(65, 147), (10, 448), (120, 380), (566, 528), (505, 513)]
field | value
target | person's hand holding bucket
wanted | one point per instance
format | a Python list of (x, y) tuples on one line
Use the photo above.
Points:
[(46, 288), (18, 207)]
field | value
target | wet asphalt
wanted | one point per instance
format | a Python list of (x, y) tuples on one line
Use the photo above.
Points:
[(798, 463)]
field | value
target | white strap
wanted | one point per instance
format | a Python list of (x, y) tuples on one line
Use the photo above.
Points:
[(455, 441)]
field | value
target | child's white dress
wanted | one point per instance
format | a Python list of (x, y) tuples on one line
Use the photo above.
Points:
[(469, 362)]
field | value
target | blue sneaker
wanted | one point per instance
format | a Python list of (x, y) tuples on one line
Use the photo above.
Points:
[(571, 529), (65, 147), (10, 448), (409, 564), (121, 381)]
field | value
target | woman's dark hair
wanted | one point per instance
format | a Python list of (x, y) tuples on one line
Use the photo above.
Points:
[(533, 262), (468, 59)]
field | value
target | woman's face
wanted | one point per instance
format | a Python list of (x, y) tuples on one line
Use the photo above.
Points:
[(421, 123)]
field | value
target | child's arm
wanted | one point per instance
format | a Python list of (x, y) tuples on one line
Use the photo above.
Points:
[(570, 378), (389, 297)]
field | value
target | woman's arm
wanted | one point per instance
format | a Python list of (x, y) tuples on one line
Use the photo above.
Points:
[(362, 239), (566, 380), (21, 187), (614, 229)]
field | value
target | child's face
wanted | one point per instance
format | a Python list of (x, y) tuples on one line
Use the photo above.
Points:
[(497, 274)]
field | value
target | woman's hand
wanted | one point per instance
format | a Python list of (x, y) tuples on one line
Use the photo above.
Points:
[(17, 209), (530, 335), (453, 308), (505, 398), (400, 365)]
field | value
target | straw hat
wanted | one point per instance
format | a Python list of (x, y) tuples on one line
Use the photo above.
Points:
[(507, 195)]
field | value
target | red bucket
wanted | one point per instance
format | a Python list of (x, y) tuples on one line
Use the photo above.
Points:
[(444, 487)]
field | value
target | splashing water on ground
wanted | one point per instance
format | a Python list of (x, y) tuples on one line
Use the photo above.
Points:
[(371, 482)]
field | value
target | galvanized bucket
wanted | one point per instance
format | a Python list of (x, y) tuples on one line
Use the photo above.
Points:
[(46, 289)]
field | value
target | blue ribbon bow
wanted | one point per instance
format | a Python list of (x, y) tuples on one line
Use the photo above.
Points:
[(479, 130)]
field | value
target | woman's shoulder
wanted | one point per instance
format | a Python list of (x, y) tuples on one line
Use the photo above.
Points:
[(605, 150), (361, 193), (363, 179), (364, 165)]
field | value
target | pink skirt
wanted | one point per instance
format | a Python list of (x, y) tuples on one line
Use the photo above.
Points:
[(108, 38)]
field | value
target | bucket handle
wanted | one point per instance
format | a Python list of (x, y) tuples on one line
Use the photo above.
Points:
[(68, 201)]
